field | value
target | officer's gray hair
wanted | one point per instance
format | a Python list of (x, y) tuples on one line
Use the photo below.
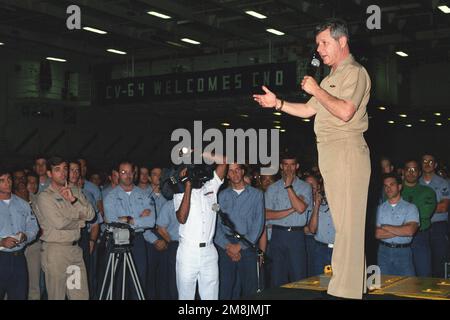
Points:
[(338, 28)]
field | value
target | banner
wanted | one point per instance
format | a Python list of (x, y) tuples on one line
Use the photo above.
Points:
[(279, 77)]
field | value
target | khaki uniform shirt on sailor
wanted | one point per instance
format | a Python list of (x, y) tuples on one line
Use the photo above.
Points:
[(349, 81), (59, 219)]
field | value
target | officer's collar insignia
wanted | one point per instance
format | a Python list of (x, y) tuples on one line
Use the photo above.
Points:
[(332, 86)]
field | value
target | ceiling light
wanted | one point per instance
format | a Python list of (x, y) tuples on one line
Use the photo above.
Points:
[(190, 41), (176, 44), (438, 124), (283, 130), (401, 53), (255, 14), (225, 124), (277, 127), (437, 114), (391, 122), (56, 59), (116, 51), (402, 115), (409, 125), (1, 43), (276, 121), (94, 30), (274, 31), (423, 120), (244, 115), (444, 9), (306, 120), (382, 108), (277, 113), (159, 15)]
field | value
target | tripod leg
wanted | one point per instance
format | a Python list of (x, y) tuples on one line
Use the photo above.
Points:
[(113, 272), (106, 275), (124, 274), (135, 277), (257, 274)]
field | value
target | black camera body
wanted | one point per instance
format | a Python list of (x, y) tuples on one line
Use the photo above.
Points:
[(197, 174)]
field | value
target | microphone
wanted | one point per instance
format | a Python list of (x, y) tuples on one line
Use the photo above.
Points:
[(225, 219), (311, 69), (313, 65), (227, 222)]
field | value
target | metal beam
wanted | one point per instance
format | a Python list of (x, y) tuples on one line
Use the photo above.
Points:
[(48, 9), (210, 21), (28, 138), (51, 41), (54, 141), (88, 143)]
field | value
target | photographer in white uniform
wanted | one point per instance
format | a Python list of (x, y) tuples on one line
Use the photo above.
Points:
[(197, 258)]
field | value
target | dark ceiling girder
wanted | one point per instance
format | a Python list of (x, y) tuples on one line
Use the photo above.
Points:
[(170, 6)]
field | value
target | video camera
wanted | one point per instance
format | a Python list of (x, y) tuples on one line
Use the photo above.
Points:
[(119, 234), (198, 174)]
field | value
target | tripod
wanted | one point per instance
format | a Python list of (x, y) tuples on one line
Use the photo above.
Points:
[(121, 254)]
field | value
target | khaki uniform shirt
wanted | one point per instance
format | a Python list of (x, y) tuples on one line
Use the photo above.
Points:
[(59, 220), (350, 81)]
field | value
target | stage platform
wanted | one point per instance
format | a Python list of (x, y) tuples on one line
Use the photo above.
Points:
[(392, 288)]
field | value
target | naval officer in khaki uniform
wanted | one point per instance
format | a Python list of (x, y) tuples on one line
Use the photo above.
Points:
[(62, 211), (339, 104)]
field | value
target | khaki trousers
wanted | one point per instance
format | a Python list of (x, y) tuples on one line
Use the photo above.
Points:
[(33, 257), (65, 272), (344, 163)]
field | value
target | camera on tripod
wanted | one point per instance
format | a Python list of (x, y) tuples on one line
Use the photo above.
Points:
[(119, 234)]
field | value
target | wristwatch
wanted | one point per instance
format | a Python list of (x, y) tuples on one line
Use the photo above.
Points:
[(289, 187), (74, 201)]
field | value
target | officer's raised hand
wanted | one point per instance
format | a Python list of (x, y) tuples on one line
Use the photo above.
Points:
[(267, 100), (66, 193), (309, 84)]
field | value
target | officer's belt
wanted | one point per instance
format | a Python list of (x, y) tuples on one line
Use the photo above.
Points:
[(73, 243), (338, 136)]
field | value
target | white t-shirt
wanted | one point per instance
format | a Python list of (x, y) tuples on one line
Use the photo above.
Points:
[(7, 201), (201, 222), (239, 191)]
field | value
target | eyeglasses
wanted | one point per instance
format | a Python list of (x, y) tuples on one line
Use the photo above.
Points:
[(426, 161), (126, 172), (412, 170)]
